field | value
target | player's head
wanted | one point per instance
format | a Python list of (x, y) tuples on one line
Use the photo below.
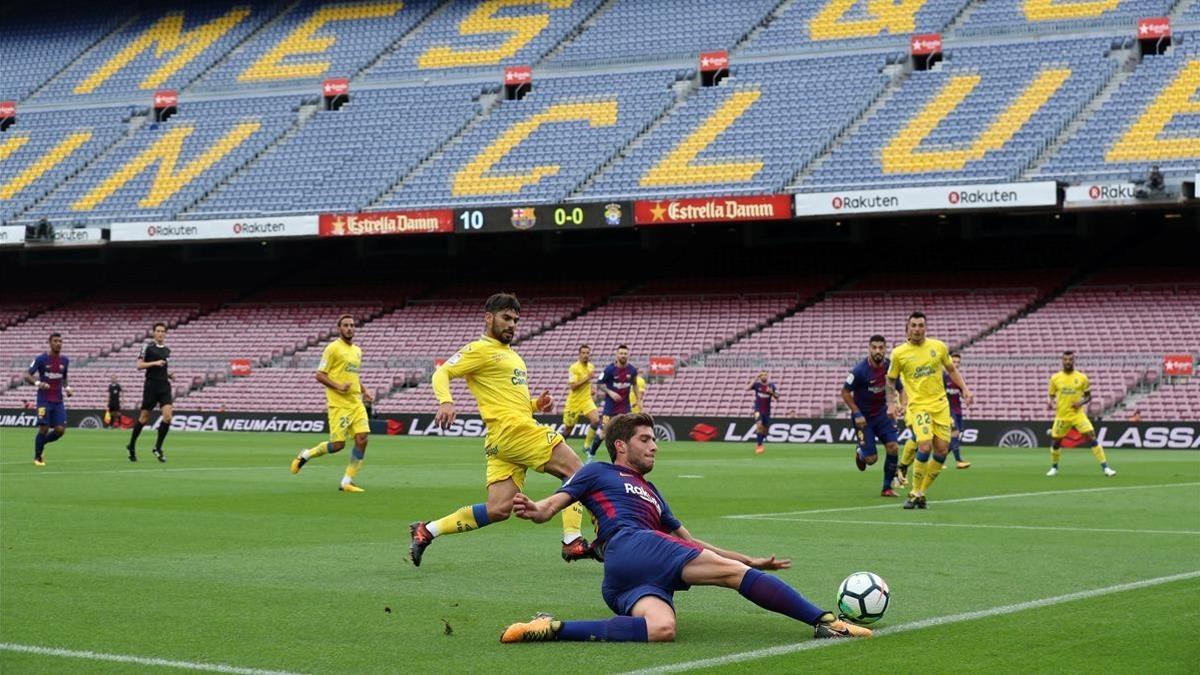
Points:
[(630, 441), (1068, 361), (345, 326), (585, 353), (55, 343), (622, 355), (502, 311), (114, 379), (877, 348), (762, 376), (915, 329), (160, 332), (956, 358)]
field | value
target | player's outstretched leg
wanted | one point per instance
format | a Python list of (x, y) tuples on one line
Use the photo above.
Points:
[(318, 450), (545, 628), (890, 462), (421, 534), (357, 454)]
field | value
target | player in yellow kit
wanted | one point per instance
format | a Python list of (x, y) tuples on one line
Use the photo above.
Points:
[(580, 403), (515, 441), (920, 361), (338, 372), (1070, 392), (638, 395)]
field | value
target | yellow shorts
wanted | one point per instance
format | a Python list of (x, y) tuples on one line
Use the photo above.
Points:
[(571, 415), (518, 448), (1062, 425), (346, 422), (928, 424)]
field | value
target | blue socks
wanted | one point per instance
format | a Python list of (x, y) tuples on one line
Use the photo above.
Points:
[(954, 443), (760, 438), (772, 593), (889, 470), (616, 629)]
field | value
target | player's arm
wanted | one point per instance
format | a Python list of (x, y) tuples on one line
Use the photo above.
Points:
[(464, 362), (606, 384), (894, 404), (541, 510), (774, 393), (65, 368), (769, 563), (35, 367), (1085, 399), (848, 399), (541, 403), (580, 383), (143, 364), (1052, 393), (957, 378)]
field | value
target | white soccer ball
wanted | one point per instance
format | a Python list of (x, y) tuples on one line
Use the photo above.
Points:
[(863, 597)]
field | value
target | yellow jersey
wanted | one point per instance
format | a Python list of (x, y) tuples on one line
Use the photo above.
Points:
[(1068, 388), (920, 368), (341, 362), (579, 398), (496, 375), (638, 394)]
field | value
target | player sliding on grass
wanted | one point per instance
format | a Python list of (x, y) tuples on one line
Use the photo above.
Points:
[(648, 554), (515, 441)]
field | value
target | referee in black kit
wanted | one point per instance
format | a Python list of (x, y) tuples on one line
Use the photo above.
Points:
[(156, 391)]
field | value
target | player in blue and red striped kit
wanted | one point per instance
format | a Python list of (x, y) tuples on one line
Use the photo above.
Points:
[(616, 383), (954, 397), (865, 393), (48, 373), (764, 393), (648, 554)]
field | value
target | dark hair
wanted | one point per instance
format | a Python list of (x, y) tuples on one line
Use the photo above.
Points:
[(502, 301), (916, 315), (344, 317), (955, 355), (1069, 352), (621, 428), (622, 347), (55, 335), (877, 338), (160, 323), (583, 347)]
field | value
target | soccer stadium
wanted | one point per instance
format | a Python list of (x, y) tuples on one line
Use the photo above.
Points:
[(882, 315)]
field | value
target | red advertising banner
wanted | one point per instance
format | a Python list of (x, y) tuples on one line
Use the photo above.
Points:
[(710, 61), (713, 210), (1179, 364), (1151, 29), (239, 367), (662, 365), (165, 98), (8, 109), (335, 86), (518, 75), (385, 222), (929, 43)]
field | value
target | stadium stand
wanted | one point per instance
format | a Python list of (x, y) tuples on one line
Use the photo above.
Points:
[(341, 160), (752, 133), (34, 50), (1176, 401), (1147, 121), (1042, 16), (129, 59), (679, 30), (159, 169), (312, 40), (842, 24), (983, 115), (464, 37)]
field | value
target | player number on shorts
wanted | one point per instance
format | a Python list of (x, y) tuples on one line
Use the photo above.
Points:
[(924, 419), (471, 220), (573, 216)]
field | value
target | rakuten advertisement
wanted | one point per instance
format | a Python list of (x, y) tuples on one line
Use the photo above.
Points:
[(939, 198), (243, 228), (12, 235)]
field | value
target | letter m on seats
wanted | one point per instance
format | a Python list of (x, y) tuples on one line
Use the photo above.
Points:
[(165, 36)]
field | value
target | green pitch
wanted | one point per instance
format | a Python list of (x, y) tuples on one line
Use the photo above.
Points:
[(223, 557)]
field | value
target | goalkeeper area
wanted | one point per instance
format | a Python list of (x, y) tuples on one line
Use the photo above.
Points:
[(222, 561)]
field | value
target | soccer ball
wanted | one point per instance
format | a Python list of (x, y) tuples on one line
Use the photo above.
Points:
[(863, 597)]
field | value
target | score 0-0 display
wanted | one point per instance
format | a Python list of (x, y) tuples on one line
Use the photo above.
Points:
[(608, 215)]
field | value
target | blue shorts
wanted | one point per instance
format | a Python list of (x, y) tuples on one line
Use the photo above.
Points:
[(612, 408), (881, 427), (638, 563), (52, 415), (764, 418)]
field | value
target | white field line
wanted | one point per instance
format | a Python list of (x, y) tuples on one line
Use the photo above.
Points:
[(963, 500), (46, 473), (981, 526), (807, 645), (138, 660)]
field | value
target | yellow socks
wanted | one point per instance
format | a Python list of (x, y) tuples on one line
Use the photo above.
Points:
[(356, 460), (589, 436), (317, 450), (1056, 454), (572, 517), (909, 453), (918, 476), (933, 468), (463, 520), (1098, 453)]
